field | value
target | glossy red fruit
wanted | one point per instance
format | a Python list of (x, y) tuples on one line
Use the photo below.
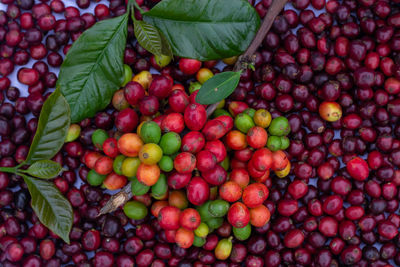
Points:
[(238, 215), (227, 121), (375, 160), (387, 230), (185, 162), (230, 191), (288, 207), (14, 251), (214, 130), (298, 189), (392, 86), (217, 148), (178, 180), (160, 86), (90, 159), (332, 204), (178, 100), (216, 176), (195, 116), (293, 238), (328, 226), (104, 165), (134, 92), (255, 194), (168, 218), (262, 159), (149, 105), (358, 169), (190, 219), (352, 121), (193, 142), (189, 66), (28, 76), (257, 137), (205, 161), (110, 147), (173, 122), (254, 173), (126, 120), (197, 191)]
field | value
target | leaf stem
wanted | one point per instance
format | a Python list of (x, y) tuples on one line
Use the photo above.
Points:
[(8, 169), (20, 165), (138, 7), (248, 58)]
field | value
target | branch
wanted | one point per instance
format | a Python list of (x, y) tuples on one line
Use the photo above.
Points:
[(117, 200), (249, 57), (242, 63)]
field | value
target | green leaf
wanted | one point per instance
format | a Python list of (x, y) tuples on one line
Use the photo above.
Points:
[(52, 128), (51, 207), (205, 29), (45, 169), (151, 39), (165, 46), (217, 88), (93, 68)]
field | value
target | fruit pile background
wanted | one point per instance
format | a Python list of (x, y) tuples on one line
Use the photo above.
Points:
[(259, 246)]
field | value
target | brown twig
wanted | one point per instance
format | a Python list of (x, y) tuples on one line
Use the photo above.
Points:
[(243, 62), (248, 58), (117, 200)]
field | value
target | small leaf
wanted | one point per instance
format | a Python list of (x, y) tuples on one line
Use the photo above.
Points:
[(151, 39), (45, 169), (217, 88), (52, 128), (205, 29), (93, 68), (51, 207)]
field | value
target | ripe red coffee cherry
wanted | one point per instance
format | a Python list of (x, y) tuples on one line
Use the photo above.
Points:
[(255, 194), (134, 92), (126, 120), (195, 116), (185, 162), (328, 226), (298, 189), (197, 191), (193, 142), (189, 66), (238, 215), (205, 161), (178, 100), (358, 169), (387, 229), (160, 86), (47, 249), (168, 218), (293, 238), (14, 252), (28, 76)]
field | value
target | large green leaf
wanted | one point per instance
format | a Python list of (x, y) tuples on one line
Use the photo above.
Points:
[(51, 207), (45, 169), (151, 39), (219, 87), (52, 128), (205, 29), (93, 68)]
